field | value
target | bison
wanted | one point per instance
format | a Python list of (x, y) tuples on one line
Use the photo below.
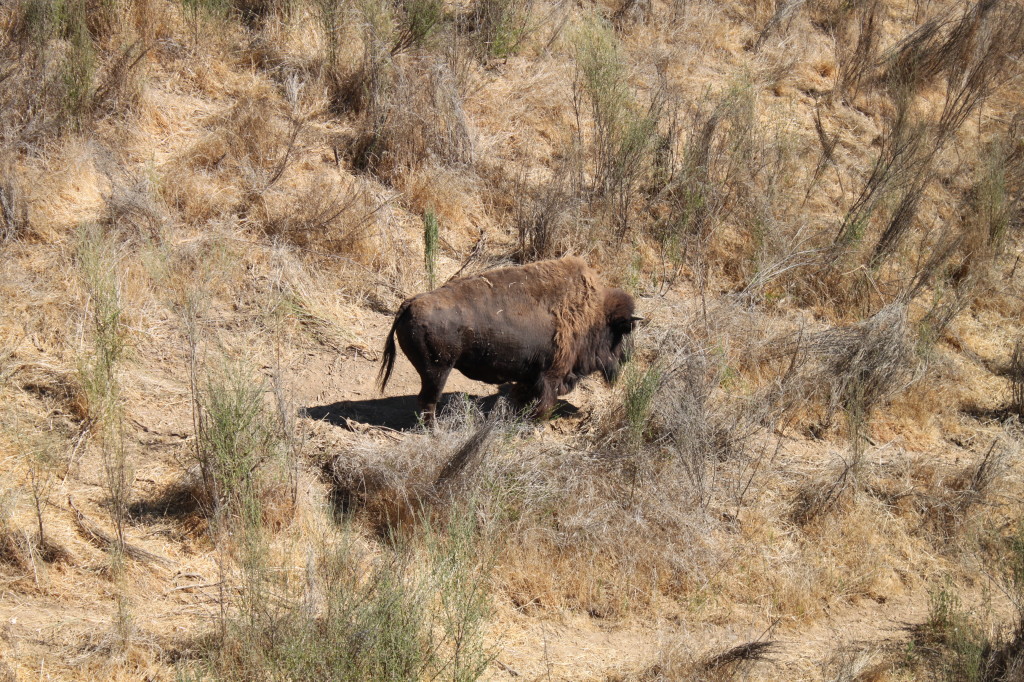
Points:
[(542, 326)]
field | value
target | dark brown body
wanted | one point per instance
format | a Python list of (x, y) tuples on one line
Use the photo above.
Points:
[(542, 326)]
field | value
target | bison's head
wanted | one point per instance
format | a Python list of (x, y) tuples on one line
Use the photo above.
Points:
[(611, 342)]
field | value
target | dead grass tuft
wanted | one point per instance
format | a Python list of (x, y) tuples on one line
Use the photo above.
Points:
[(15, 549), (826, 495), (735, 663), (399, 492), (222, 171), (730, 661), (322, 214), (949, 504), (861, 366)]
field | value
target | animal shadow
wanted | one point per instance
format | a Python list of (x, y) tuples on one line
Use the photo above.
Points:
[(399, 413)]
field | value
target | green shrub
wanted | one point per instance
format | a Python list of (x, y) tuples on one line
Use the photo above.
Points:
[(409, 614)]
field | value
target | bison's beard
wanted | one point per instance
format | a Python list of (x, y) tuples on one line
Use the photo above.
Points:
[(620, 354)]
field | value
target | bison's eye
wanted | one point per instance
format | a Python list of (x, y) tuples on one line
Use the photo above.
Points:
[(626, 326)]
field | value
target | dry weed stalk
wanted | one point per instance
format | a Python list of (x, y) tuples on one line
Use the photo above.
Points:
[(855, 64), (13, 209), (1016, 375)]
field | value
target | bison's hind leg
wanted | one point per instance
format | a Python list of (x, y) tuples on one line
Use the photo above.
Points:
[(432, 381)]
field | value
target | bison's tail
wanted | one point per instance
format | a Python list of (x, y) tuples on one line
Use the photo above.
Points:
[(387, 361)]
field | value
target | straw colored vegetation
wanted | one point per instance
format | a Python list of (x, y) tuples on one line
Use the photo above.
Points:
[(810, 467)]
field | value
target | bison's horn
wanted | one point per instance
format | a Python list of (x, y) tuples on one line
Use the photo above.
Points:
[(636, 318)]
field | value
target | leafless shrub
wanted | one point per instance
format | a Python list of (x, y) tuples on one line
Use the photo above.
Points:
[(416, 117), (827, 157), (388, 30), (901, 221), (539, 215), (700, 438), (682, 408), (991, 207), (967, 49)]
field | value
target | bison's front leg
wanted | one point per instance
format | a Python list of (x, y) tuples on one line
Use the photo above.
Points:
[(545, 395)]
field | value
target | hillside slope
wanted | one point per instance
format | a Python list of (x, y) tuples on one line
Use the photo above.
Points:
[(210, 210)]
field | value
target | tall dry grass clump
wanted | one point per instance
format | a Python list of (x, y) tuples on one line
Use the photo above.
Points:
[(72, 63), (417, 115), (623, 135)]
